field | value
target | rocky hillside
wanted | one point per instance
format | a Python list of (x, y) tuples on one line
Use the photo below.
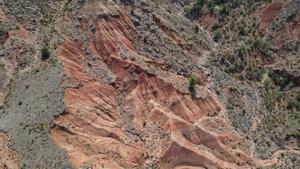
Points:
[(154, 84)]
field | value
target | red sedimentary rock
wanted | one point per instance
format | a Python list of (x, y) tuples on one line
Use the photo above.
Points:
[(141, 120)]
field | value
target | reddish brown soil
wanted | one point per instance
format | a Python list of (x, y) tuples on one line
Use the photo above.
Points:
[(207, 21), (268, 14)]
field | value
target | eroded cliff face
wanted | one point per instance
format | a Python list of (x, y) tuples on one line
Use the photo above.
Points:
[(140, 119), (122, 100)]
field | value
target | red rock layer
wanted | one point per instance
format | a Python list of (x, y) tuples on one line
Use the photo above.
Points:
[(141, 120), (268, 15), (290, 31), (207, 21)]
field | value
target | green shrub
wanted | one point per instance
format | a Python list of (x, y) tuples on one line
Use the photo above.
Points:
[(281, 79), (242, 30), (133, 7), (254, 73), (45, 52), (128, 2), (238, 66), (291, 104), (234, 63), (196, 29), (217, 35), (241, 51), (235, 3), (298, 97), (192, 82), (258, 43), (271, 95), (294, 103), (2, 32), (225, 11), (195, 9), (262, 46), (215, 26)]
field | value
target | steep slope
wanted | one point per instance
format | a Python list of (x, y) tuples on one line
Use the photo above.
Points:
[(144, 118), (105, 84)]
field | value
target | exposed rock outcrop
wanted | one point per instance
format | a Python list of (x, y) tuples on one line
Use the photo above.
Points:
[(140, 119)]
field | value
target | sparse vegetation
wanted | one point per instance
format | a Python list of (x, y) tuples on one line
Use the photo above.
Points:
[(246, 51), (242, 29), (232, 64), (262, 46), (271, 95), (225, 11), (279, 78), (81, 2), (254, 73), (219, 7), (132, 4), (4, 28), (238, 59), (195, 9), (258, 43), (217, 35), (196, 29), (48, 15), (294, 103), (128, 2), (192, 82), (2, 32)]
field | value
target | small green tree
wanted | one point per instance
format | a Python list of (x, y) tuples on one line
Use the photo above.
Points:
[(196, 29), (258, 43), (254, 72), (192, 80), (242, 28), (280, 78), (217, 35), (294, 103), (132, 5), (45, 52), (195, 9)]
